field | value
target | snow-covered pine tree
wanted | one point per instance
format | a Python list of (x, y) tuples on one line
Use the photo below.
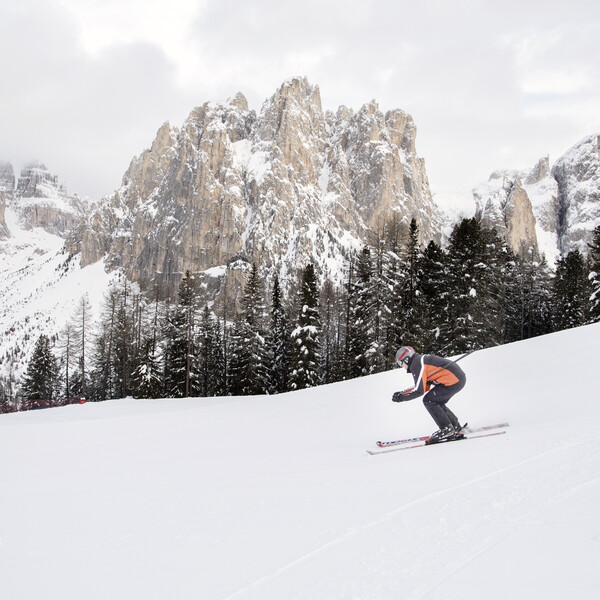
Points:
[(411, 303), (332, 321), (362, 345), (146, 378), (392, 266), (473, 281), (433, 298), (123, 348), (180, 354), (540, 302), (211, 370), (527, 297), (382, 294), (492, 290), (306, 359), (102, 386), (248, 353), (594, 255), (278, 343), (41, 380), (571, 291)]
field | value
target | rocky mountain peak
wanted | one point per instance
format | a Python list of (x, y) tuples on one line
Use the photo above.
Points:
[(577, 173), (36, 181), (539, 172), (563, 200), (280, 188), (239, 101), (41, 200)]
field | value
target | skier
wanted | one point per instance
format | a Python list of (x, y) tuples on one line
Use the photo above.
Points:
[(439, 379)]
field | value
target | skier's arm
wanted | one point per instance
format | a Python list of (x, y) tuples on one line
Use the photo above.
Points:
[(409, 394), (414, 392)]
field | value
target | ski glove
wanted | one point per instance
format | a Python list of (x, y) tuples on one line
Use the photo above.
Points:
[(400, 396)]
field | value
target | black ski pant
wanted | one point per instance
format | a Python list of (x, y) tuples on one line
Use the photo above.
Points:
[(435, 402)]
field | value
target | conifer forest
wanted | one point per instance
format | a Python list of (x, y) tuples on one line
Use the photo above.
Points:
[(473, 293)]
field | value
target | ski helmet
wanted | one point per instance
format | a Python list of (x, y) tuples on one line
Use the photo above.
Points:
[(404, 354)]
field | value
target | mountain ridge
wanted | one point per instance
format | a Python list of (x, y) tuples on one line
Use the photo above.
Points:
[(281, 188)]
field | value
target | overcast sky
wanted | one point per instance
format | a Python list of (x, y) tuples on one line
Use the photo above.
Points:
[(85, 84)]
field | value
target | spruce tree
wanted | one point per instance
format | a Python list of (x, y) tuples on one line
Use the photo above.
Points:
[(433, 299), (306, 335), (278, 343), (594, 255), (180, 354), (527, 297), (123, 349), (362, 343), (412, 309), (571, 291), (248, 366), (474, 280), (331, 316), (210, 380), (238, 358), (146, 378), (41, 380)]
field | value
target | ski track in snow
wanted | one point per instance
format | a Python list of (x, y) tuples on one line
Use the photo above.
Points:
[(504, 536), (381, 520)]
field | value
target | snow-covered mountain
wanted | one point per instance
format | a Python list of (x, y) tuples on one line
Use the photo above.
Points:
[(40, 286), (289, 185), (552, 209), (266, 498), (40, 199), (40, 282), (230, 186)]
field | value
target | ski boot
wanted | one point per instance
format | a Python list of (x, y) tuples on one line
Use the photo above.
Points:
[(446, 434)]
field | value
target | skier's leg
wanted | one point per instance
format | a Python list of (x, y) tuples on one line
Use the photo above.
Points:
[(451, 416), (435, 402), (435, 406), (438, 414)]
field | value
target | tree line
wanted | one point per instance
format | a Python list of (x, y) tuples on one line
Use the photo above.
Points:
[(475, 293)]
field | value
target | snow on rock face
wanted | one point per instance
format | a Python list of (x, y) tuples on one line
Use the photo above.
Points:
[(40, 200), (552, 210), (577, 174), (503, 203), (289, 185)]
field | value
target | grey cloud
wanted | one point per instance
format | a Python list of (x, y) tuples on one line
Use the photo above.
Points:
[(84, 117)]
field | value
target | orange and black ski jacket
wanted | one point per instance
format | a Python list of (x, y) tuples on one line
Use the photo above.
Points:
[(428, 370)]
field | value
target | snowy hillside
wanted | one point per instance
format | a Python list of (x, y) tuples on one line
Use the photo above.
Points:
[(40, 286), (272, 498)]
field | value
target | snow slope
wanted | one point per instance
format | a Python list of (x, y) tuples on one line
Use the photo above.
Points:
[(40, 287), (273, 498)]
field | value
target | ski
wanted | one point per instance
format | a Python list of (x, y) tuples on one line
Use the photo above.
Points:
[(423, 438), (424, 443)]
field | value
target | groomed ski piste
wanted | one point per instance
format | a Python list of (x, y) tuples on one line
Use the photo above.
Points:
[(272, 498)]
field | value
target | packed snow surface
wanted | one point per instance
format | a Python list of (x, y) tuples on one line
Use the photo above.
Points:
[(272, 498)]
